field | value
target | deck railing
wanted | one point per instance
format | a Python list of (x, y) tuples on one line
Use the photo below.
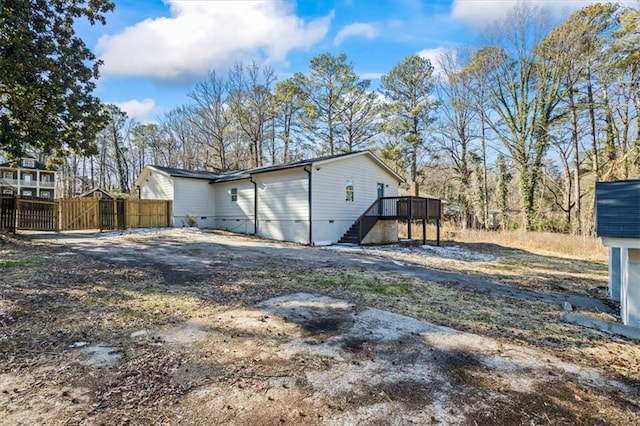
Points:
[(399, 208)]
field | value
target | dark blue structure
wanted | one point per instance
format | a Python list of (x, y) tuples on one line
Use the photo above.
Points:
[(618, 224), (618, 209)]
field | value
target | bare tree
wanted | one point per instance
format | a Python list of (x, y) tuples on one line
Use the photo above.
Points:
[(458, 110), (211, 116), (250, 101)]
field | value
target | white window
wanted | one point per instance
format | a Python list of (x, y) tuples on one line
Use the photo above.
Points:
[(349, 190), (46, 178), (7, 192), (27, 193), (45, 194), (26, 177), (28, 162), (7, 175), (234, 194)]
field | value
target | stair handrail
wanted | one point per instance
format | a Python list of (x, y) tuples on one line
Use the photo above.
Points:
[(364, 229), (373, 212)]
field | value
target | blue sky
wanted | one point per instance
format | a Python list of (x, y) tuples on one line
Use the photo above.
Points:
[(154, 51)]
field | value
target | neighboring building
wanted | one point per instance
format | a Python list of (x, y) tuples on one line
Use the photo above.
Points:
[(309, 201), (98, 193), (618, 224), (30, 179)]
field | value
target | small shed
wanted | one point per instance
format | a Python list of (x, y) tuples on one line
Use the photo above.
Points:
[(618, 224), (98, 193)]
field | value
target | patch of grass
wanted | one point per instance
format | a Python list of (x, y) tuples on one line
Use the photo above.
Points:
[(391, 289), (18, 263), (97, 301), (360, 281), (325, 282)]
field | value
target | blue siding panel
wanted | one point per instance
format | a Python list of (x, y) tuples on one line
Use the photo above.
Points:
[(618, 209)]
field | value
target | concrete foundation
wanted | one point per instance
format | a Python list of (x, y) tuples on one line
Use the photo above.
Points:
[(384, 231)]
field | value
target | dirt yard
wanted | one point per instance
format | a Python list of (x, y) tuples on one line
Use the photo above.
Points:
[(191, 327)]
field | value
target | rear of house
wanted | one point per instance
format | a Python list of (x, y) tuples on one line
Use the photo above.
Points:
[(343, 190), (306, 201)]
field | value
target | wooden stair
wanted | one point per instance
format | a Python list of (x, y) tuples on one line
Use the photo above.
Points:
[(352, 236)]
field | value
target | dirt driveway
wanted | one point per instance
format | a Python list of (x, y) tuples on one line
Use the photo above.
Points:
[(186, 327)]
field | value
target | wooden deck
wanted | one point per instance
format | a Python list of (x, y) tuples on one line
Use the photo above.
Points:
[(396, 208)]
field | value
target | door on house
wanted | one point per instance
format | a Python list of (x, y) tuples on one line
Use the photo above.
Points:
[(380, 195)]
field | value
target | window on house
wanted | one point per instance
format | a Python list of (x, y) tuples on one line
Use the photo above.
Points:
[(46, 178), (349, 190), (26, 177), (7, 192), (7, 175), (27, 193), (45, 194), (234, 194), (28, 162)]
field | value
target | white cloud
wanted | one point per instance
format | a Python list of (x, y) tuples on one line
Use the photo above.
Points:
[(138, 110), (479, 13), (357, 29), (434, 56), (203, 35)]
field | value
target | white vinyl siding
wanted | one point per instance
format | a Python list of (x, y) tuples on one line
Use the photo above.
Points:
[(332, 215), (195, 197), (283, 205), (235, 216), (157, 186)]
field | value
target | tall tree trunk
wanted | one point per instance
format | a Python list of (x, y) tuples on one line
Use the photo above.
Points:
[(577, 223), (485, 186), (592, 121)]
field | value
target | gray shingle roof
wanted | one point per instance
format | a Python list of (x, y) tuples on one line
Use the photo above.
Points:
[(38, 165), (197, 174), (245, 174)]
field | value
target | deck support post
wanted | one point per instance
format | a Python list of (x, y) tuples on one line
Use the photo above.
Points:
[(438, 232), (424, 231)]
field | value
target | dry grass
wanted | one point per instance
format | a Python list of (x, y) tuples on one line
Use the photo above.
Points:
[(545, 243)]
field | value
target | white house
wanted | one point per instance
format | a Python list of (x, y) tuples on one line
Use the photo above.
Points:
[(29, 178), (305, 201), (189, 190)]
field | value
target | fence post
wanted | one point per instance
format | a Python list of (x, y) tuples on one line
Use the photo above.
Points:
[(409, 216)]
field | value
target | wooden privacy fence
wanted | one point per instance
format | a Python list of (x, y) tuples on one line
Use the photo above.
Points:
[(8, 213), (36, 214), (79, 213), (19, 213), (93, 213)]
